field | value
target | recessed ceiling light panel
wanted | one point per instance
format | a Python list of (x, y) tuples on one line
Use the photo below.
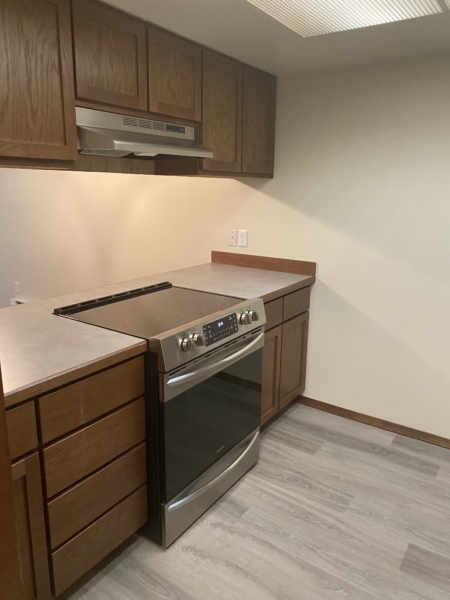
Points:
[(317, 17)]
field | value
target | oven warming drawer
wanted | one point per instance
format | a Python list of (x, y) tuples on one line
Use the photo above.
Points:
[(192, 502)]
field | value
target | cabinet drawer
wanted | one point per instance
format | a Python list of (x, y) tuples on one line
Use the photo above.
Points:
[(85, 550), (81, 505), (85, 451), (296, 303), (22, 433), (274, 313), (76, 405)]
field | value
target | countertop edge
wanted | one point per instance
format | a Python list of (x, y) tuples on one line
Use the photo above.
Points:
[(44, 386), (288, 289)]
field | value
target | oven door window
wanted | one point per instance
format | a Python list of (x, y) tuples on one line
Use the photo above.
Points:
[(203, 423)]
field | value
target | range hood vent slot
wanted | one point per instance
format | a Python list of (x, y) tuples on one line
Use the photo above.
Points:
[(146, 124), (130, 121), (159, 126)]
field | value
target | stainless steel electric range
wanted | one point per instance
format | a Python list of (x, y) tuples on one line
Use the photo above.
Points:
[(203, 393)]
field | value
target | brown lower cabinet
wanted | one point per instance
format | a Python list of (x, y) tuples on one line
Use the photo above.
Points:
[(271, 374), (293, 359), (10, 579), (30, 527), (284, 356), (80, 505), (79, 490), (86, 549)]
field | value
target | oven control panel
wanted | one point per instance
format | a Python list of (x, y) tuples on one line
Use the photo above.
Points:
[(220, 329), (216, 331), (204, 337)]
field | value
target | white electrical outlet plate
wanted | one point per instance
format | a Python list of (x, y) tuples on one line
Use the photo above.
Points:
[(243, 238), (17, 287), (12, 301), (232, 237)]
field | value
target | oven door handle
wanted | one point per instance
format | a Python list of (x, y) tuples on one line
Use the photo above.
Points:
[(218, 366)]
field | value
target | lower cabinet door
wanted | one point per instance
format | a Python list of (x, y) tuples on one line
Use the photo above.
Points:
[(293, 358), (30, 526), (271, 374)]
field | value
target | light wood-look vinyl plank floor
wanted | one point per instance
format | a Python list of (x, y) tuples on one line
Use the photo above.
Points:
[(334, 509)]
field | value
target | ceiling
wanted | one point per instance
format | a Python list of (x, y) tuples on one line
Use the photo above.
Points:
[(239, 29)]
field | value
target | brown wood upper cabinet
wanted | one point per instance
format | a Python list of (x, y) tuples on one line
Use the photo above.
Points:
[(110, 56), (258, 138), (222, 112), (175, 75), (124, 65), (37, 108), (238, 122)]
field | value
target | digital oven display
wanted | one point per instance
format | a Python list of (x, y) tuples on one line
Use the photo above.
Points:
[(218, 330)]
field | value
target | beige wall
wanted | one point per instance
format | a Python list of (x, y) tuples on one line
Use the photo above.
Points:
[(362, 186), (6, 276)]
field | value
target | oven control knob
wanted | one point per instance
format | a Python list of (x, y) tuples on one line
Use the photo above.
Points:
[(254, 315), (199, 339), (245, 318), (188, 344)]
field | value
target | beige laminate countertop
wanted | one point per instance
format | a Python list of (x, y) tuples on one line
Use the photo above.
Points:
[(40, 351)]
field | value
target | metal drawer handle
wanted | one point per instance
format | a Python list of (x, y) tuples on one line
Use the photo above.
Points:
[(216, 366)]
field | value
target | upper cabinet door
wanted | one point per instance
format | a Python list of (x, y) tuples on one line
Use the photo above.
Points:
[(258, 144), (37, 109), (175, 75), (110, 56), (222, 112)]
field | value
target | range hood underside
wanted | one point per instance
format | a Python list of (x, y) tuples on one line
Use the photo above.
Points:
[(104, 142)]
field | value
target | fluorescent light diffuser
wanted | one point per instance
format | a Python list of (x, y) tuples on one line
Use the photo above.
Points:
[(317, 17)]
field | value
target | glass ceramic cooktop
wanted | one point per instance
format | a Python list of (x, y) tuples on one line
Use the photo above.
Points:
[(154, 313)]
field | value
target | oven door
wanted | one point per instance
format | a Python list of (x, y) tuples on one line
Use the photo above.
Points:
[(208, 409)]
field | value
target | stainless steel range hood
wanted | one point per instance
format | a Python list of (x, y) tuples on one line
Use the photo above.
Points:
[(107, 134)]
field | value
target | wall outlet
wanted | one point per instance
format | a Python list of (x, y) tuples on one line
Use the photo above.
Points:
[(17, 287), (232, 237), (243, 238), (12, 301)]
